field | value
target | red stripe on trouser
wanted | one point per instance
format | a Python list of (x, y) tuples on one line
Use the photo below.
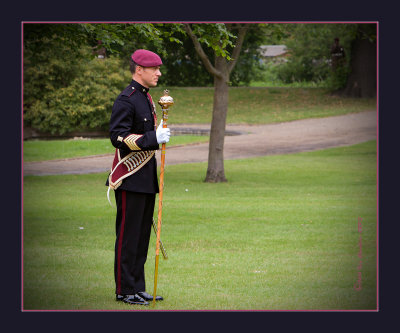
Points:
[(121, 235)]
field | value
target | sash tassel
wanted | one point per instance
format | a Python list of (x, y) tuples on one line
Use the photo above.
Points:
[(126, 167)]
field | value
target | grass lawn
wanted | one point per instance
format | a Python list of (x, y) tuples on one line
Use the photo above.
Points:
[(282, 233), (42, 150), (261, 105)]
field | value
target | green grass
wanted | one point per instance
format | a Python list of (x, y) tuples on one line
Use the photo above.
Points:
[(261, 105), (42, 150), (280, 234)]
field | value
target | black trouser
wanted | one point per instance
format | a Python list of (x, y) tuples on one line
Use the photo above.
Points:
[(133, 227)]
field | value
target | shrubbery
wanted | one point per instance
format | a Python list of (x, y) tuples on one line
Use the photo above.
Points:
[(85, 103)]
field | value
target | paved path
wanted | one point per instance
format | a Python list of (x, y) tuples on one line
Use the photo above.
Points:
[(255, 140)]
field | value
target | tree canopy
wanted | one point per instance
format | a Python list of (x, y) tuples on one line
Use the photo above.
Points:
[(57, 57)]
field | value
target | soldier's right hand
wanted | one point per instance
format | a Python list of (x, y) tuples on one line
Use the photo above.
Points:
[(163, 134)]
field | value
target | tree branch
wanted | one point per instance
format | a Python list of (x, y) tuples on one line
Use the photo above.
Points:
[(210, 68), (236, 51)]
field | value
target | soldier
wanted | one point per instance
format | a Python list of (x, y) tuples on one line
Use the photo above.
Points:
[(337, 54), (133, 175)]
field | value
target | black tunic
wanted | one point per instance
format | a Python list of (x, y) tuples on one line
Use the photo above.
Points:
[(132, 113)]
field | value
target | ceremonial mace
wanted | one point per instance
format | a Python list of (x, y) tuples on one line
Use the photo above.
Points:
[(165, 102)]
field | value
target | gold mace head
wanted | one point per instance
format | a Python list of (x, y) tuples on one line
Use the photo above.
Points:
[(166, 101)]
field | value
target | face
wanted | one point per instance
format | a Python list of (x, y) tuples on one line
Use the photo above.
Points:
[(147, 76)]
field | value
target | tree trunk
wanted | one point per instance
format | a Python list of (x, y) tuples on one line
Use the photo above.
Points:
[(362, 80), (221, 73), (215, 171)]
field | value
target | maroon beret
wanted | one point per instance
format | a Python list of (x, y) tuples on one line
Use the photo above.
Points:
[(146, 58)]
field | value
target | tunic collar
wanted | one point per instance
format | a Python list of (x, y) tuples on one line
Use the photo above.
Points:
[(139, 87)]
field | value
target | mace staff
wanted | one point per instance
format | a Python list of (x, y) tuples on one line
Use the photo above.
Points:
[(165, 102)]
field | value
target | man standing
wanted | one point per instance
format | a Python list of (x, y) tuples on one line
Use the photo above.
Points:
[(134, 175), (338, 55)]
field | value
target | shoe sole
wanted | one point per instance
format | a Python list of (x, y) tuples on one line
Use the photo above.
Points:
[(132, 303), (148, 300), (135, 303)]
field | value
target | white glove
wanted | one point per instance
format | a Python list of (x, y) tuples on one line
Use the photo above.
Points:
[(162, 134)]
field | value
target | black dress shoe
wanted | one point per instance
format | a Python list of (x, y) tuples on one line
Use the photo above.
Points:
[(132, 299), (148, 297)]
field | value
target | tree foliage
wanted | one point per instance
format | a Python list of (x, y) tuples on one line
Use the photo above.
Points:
[(85, 103), (250, 66), (309, 48), (52, 58), (184, 67), (66, 88), (181, 65)]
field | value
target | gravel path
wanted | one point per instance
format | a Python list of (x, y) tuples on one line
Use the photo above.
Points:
[(255, 140)]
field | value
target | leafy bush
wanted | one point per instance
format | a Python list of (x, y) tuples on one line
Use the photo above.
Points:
[(50, 63), (85, 104)]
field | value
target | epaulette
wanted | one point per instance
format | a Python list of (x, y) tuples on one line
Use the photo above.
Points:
[(128, 91)]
